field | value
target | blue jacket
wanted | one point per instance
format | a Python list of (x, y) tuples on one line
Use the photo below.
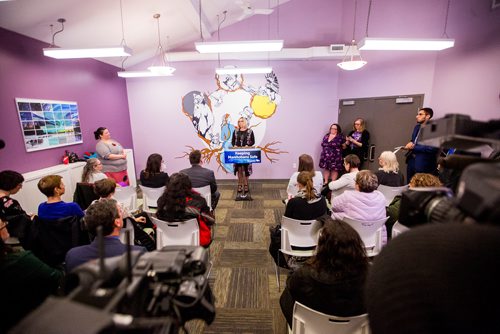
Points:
[(112, 247), (425, 156)]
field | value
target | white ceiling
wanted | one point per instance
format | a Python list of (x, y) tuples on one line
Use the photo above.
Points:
[(91, 23)]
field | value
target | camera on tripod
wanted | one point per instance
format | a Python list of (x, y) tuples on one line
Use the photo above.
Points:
[(473, 177), (154, 292)]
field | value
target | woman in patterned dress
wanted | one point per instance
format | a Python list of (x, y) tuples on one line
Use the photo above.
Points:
[(331, 155)]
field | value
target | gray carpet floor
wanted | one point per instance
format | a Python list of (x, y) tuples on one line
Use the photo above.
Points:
[(243, 276)]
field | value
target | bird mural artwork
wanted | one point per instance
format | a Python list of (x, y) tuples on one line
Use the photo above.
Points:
[(214, 115)]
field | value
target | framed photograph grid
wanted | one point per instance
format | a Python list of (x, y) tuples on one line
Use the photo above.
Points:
[(48, 124)]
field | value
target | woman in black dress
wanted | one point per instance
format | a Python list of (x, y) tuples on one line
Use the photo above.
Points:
[(153, 176), (243, 137), (358, 141)]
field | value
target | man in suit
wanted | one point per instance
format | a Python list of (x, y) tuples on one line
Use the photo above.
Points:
[(420, 158), (105, 213), (201, 177)]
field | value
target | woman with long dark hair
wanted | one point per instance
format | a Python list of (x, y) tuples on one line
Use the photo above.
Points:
[(154, 175), (332, 280), (180, 202)]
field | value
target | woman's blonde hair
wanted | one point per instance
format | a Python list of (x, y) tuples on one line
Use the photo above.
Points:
[(242, 119), (389, 161), (361, 122), (305, 179)]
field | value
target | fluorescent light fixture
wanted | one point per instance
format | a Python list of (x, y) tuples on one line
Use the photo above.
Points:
[(115, 51), (243, 70), (162, 70), (352, 65), (140, 74), (239, 46), (407, 44)]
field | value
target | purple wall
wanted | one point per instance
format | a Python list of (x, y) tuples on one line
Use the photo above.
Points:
[(26, 73), (464, 79)]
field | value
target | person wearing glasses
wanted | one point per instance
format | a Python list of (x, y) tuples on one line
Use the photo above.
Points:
[(420, 158), (331, 155), (358, 141), (25, 280), (92, 171)]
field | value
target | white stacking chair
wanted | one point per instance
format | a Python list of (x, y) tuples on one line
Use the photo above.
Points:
[(177, 233), (297, 233), (309, 321), (398, 228), (371, 232), (127, 197), (391, 192), (150, 197), (206, 193)]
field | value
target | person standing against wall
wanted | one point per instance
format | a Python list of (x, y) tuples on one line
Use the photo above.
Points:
[(358, 141), (420, 158), (331, 155)]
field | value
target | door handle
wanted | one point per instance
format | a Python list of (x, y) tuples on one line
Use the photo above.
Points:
[(371, 153)]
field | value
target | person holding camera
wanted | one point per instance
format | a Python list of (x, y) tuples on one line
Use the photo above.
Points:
[(105, 213)]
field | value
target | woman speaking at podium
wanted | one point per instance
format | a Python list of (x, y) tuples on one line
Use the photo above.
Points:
[(243, 137)]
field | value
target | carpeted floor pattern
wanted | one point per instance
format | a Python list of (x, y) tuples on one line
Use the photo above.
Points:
[(243, 277)]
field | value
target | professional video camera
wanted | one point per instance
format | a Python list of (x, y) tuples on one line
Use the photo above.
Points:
[(478, 188), (154, 292)]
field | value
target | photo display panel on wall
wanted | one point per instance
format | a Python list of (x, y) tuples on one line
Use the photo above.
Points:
[(47, 124)]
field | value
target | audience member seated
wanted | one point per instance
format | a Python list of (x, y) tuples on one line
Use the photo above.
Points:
[(105, 189), (201, 177), (332, 281), (52, 186), (346, 181), (25, 281), (180, 202), (417, 181), (154, 176), (306, 205), (435, 279), (92, 171), (105, 213), (10, 209), (365, 203), (306, 164), (388, 174)]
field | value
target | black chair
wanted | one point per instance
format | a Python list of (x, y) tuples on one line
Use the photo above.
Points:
[(50, 240), (84, 195)]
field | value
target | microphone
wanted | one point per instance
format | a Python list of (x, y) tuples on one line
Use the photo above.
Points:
[(2, 144)]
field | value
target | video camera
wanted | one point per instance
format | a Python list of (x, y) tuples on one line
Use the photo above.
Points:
[(474, 179), (154, 292)]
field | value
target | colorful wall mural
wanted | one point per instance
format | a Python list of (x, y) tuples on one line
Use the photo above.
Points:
[(214, 115)]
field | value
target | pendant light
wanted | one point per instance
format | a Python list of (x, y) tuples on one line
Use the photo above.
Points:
[(351, 61)]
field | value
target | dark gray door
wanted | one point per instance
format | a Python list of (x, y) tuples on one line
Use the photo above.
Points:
[(390, 121)]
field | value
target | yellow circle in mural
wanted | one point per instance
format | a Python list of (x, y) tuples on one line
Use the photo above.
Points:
[(262, 106)]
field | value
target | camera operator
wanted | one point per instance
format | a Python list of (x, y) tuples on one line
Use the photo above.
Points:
[(105, 213)]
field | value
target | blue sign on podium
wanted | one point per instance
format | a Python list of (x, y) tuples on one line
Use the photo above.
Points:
[(242, 155)]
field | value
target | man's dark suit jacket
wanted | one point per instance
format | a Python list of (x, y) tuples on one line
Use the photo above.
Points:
[(201, 177), (112, 247)]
